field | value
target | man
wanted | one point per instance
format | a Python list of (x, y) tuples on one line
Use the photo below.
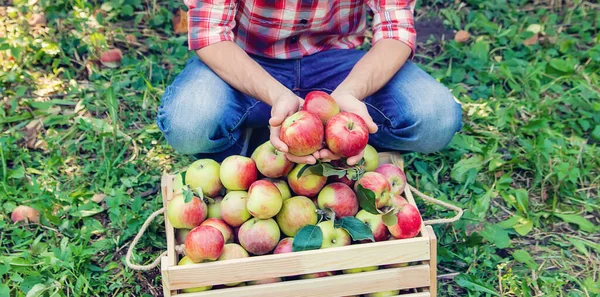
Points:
[(256, 60)]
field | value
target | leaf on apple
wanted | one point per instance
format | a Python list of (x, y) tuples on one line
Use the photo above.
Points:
[(198, 191), (390, 218), (310, 237), (187, 194), (355, 173), (357, 229), (329, 170), (314, 169), (366, 199)]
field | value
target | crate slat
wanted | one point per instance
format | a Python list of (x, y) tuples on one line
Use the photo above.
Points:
[(334, 286), (253, 268), (420, 294)]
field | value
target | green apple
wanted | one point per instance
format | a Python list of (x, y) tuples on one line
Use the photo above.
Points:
[(204, 173), (333, 237), (296, 213), (371, 158), (214, 208), (187, 261), (283, 187), (384, 294), (362, 269)]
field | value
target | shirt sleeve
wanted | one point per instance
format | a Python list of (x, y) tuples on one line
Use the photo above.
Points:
[(394, 20), (210, 22)]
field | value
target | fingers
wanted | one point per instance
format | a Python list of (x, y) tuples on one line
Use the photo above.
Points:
[(355, 159), (276, 120), (370, 124), (276, 141), (301, 160), (326, 155)]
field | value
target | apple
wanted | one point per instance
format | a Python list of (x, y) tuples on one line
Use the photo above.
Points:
[(214, 208), (316, 275), (184, 215), (284, 246), (379, 185), (265, 281), (409, 222), (384, 294), (340, 198), (283, 187), (233, 208), (259, 236), (296, 213), (187, 261), (371, 158), (233, 251), (222, 226), (362, 269), (308, 184), (333, 237), (204, 243), (238, 173), (345, 180), (270, 161), (180, 235), (395, 176), (264, 199), (178, 183), (25, 213), (302, 132), (397, 265), (375, 223), (204, 173), (346, 134), (321, 104), (398, 200)]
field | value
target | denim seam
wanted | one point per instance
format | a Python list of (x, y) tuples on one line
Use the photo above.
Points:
[(379, 111), (243, 117)]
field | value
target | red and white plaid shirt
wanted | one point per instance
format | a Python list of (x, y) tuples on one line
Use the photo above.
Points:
[(292, 29)]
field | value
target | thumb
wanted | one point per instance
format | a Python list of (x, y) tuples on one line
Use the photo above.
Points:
[(276, 120), (371, 124)]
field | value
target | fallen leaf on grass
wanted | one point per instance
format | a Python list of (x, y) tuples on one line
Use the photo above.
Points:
[(462, 36), (531, 40), (37, 20), (98, 197)]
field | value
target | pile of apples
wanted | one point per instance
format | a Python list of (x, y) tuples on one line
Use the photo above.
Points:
[(255, 206)]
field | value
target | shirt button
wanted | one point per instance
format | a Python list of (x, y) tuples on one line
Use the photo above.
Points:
[(294, 39), (303, 21)]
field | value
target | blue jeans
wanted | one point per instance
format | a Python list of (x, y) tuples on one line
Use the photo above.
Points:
[(201, 114)]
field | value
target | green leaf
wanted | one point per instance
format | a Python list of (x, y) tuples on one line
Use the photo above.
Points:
[(366, 199), (37, 290), (329, 170), (473, 283), (564, 66), (522, 198), (127, 10), (579, 245), (465, 167), (4, 290), (524, 226), (596, 133), (88, 210), (390, 218), (187, 194), (496, 235), (199, 192), (310, 237), (314, 169), (357, 229), (17, 173), (524, 257), (580, 221)]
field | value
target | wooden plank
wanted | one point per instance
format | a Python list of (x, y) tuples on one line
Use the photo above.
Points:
[(432, 261), (167, 195), (391, 158), (333, 286), (164, 264), (420, 294), (268, 266)]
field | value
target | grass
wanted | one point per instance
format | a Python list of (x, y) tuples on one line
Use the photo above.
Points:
[(525, 167)]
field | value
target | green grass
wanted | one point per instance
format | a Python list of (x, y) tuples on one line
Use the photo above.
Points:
[(525, 167)]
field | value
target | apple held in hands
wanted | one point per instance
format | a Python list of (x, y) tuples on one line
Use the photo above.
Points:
[(270, 161), (375, 223), (233, 208), (184, 215), (379, 185), (302, 132), (204, 243), (204, 173), (284, 246), (258, 236), (309, 184), (321, 104), (395, 176), (238, 173), (264, 199), (333, 237), (222, 226), (346, 134), (296, 213), (187, 261), (340, 198), (409, 222)]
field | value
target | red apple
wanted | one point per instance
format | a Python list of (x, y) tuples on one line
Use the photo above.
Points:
[(395, 176), (25, 213), (284, 246), (296, 213), (204, 173), (340, 198), (308, 184), (204, 243), (180, 235), (303, 133), (409, 222), (316, 275), (233, 208), (264, 199), (345, 180), (321, 104), (222, 226), (398, 200), (346, 134), (258, 236), (184, 215), (379, 185), (238, 173), (375, 223), (270, 161)]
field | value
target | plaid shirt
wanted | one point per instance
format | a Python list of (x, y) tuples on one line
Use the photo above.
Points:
[(292, 29)]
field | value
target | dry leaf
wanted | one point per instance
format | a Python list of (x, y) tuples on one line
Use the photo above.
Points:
[(30, 133), (462, 36), (37, 20), (180, 22), (531, 40), (130, 38), (98, 197)]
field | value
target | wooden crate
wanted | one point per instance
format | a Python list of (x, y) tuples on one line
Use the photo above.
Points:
[(416, 280)]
